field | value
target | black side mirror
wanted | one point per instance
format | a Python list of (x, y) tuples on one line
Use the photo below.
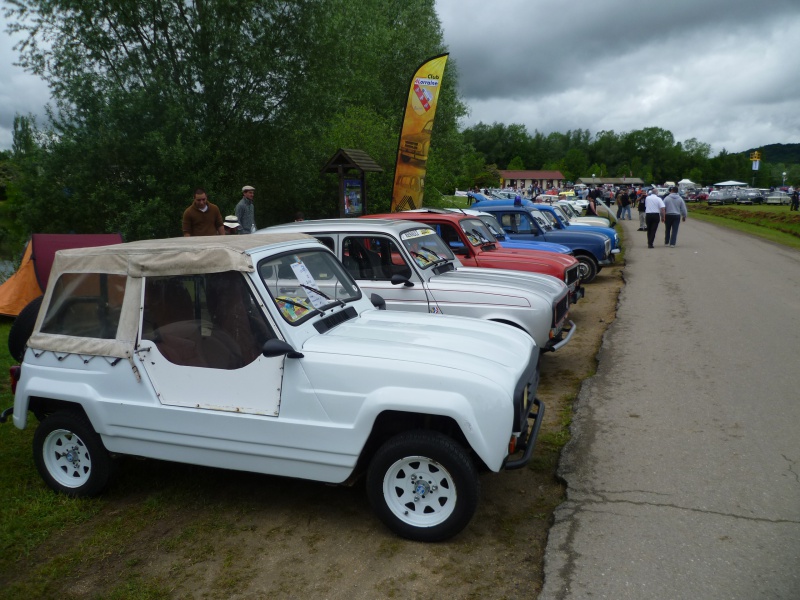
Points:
[(378, 301), (461, 251), (276, 347), (397, 279)]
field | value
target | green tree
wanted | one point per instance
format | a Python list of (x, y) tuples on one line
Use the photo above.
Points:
[(156, 98), (516, 164)]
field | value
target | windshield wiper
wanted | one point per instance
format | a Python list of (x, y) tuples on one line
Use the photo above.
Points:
[(323, 294)]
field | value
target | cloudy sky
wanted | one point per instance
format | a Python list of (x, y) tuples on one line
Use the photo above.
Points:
[(726, 72)]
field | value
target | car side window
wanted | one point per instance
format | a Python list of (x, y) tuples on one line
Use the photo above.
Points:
[(327, 242), (375, 258), (85, 305), (211, 321), (517, 223), (450, 236)]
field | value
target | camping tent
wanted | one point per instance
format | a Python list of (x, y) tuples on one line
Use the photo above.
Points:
[(30, 280)]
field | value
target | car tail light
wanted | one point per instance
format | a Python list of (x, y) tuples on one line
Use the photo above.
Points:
[(512, 445), (14, 372)]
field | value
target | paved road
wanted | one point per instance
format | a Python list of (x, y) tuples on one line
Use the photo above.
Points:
[(684, 465)]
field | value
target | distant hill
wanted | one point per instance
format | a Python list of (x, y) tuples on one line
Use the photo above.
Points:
[(778, 153)]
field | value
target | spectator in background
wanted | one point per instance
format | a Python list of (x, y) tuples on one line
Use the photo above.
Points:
[(675, 211), (795, 200), (202, 217), (640, 207), (231, 225), (246, 211), (653, 215)]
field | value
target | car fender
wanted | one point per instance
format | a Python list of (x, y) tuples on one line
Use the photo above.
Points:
[(485, 426)]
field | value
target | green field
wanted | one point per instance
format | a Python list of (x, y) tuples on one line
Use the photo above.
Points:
[(774, 223)]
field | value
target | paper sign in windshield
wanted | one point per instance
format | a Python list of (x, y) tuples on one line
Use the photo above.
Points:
[(305, 278)]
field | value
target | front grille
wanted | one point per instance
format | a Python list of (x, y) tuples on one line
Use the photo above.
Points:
[(561, 309), (572, 275)]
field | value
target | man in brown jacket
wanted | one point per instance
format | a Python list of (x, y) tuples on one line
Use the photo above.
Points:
[(202, 217)]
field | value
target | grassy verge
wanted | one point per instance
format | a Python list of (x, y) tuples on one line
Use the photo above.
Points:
[(774, 223)]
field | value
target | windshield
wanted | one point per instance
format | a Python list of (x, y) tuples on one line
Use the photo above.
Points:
[(570, 210), (425, 247), (477, 233), (540, 220), (492, 225), (304, 283), (561, 215), (549, 218)]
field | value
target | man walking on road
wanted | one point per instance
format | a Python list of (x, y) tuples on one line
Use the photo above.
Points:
[(653, 214), (675, 211)]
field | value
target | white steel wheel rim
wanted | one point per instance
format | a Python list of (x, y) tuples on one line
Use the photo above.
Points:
[(67, 458), (583, 270), (419, 491)]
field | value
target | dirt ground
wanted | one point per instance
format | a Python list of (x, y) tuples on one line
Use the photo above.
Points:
[(168, 530)]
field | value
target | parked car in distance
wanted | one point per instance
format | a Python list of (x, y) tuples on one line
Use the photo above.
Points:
[(503, 240), (412, 269), (260, 353), (475, 246), (521, 222), (778, 197), (721, 197), (575, 218)]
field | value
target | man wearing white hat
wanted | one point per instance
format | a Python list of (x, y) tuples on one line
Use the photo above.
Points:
[(245, 211)]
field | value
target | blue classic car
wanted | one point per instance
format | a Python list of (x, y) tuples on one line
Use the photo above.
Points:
[(523, 221)]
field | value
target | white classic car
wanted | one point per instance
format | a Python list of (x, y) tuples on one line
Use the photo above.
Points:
[(260, 353), (413, 269), (573, 215)]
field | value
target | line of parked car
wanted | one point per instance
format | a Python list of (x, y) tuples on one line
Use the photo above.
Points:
[(748, 196), (403, 347)]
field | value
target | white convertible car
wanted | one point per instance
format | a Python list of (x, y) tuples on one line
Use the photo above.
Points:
[(260, 353)]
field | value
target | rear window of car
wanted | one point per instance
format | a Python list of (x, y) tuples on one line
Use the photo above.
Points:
[(85, 305)]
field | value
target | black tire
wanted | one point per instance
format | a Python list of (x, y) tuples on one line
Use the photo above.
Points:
[(423, 486), (22, 328), (590, 265), (70, 456)]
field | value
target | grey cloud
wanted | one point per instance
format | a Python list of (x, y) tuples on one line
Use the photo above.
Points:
[(721, 71)]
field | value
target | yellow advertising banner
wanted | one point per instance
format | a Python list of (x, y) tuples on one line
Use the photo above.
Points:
[(415, 136)]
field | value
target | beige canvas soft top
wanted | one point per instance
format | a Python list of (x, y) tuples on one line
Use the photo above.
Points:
[(147, 258), (171, 256)]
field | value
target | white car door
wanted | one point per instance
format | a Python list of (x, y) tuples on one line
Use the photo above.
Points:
[(200, 344), (372, 260)]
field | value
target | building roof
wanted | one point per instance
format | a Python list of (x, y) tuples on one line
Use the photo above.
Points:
[(611, 180), (531, 174), (351, 158)]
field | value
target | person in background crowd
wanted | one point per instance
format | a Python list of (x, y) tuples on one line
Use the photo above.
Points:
[(653, 214), (641, 208), (795, 200), (202, 217), (674, 213), (591, 208), (231, 225), (623, 204), (627, 200), (246, 211)]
